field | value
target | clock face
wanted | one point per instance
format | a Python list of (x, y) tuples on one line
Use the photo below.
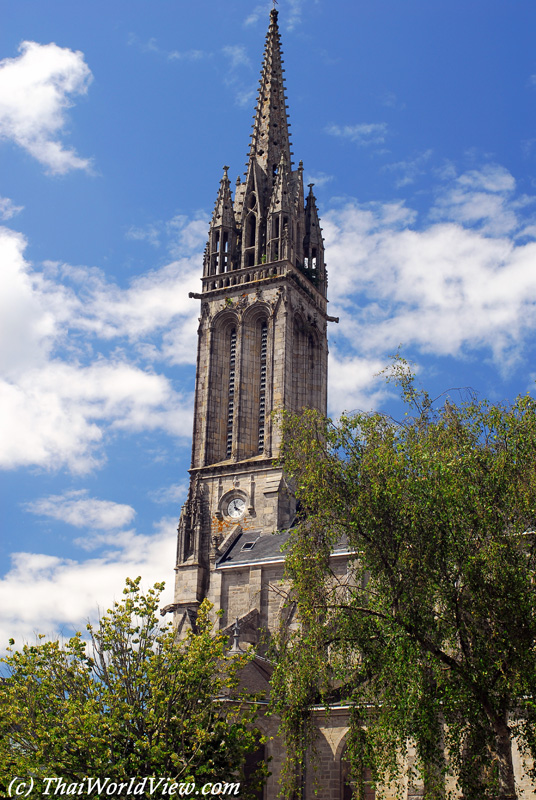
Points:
[(236, 507)]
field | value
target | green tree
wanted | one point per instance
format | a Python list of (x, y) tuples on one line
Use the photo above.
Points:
[(134, 702), (430, 632)]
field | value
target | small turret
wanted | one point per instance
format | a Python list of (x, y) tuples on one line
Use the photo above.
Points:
[(221, 248), (313, 244)]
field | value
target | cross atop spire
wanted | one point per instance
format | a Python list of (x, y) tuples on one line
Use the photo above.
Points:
[(270, 137)]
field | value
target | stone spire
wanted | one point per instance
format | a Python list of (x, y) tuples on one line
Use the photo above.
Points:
[(270, 137)]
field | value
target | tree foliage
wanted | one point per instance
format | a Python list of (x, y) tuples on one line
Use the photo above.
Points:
[(430, 632), (135, 702)]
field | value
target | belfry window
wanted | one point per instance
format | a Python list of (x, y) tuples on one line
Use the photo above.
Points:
[(224, 254), (251, 231), (262, 386), (230, 404)]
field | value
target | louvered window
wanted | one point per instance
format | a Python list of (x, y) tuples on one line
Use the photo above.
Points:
[(262, 387), (230, 405)]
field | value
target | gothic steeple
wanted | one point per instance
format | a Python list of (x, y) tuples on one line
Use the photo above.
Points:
[(262, 346)]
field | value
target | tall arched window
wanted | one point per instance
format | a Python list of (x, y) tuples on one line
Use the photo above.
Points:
[(254, 405), (306, 367), (220, 382), (250, 240), (251, 231)]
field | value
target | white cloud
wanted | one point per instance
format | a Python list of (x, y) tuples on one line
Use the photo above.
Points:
[(76, 508), (170, 494), (293, 18), (152, 302), (151, 46), (8, 209), (410, 169), (390, 100), (48, 594), (259, 12), (364, 133), (238, 59), (448, 289), (187, 55), (182, 236), (480, 197), (150, 234), (35, 91), (187, 236), (62, 396), (354, 383), (27, 326), (237, 56), (156, 302), (58, 415), (319, 179)]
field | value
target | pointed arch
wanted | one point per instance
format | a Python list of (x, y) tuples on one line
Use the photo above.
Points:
[(306, 365)]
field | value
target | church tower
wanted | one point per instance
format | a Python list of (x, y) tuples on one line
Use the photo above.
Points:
[(262, 346)]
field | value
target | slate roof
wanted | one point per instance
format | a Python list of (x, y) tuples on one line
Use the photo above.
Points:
[(252, 548)]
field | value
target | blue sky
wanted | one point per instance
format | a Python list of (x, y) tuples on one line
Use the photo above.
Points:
[(415, 120)]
